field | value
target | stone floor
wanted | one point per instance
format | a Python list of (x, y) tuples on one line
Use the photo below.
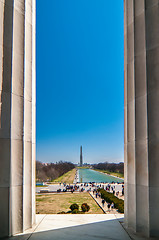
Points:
[(77, 227)]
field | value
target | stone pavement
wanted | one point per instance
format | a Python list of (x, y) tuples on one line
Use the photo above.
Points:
[(79, 227), (105, 208)]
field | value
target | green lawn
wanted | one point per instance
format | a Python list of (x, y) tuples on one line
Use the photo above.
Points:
[(115, 174), (83, 167), (66, 178), (54, 203)]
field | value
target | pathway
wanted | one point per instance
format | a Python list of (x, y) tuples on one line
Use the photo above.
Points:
[(105, 208), (77, 226)]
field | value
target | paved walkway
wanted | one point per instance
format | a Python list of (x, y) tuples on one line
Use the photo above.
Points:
[(105, 208), (79, 227)]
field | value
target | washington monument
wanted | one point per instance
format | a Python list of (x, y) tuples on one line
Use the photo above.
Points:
[(81, 157)]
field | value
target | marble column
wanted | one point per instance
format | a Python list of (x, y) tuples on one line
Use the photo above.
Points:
[(17, 116), (141, 68)]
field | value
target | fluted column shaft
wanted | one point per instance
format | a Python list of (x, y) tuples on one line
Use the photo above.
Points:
[(141, 24), (17, 116)]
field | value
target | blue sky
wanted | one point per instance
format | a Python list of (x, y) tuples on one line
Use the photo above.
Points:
[(80, 85)]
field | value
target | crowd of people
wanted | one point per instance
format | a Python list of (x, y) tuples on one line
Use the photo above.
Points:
[(89, 187), (116, 188), (98, 195)]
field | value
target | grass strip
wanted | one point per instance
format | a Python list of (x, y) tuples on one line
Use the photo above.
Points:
[(66, 178), (115, 174)]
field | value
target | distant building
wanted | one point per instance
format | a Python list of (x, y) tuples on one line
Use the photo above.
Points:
[(81, 157)]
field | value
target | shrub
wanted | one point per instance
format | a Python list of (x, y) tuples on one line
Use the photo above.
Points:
[(61, 212), (109, 198), (75, 211), (85, 207), (74, 206)]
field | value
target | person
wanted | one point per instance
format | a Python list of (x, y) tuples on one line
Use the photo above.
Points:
[(103, 201), (96, 194), (122, 191), (112, 205), (108, 206)]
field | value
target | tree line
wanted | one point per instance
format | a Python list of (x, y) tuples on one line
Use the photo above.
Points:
[(51, 171), (111, 167)]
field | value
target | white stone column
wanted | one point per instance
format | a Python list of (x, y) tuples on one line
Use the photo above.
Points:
[(152, 70), (141, 123), (142, 129), (17, 111), (125, 112), (131, 163), (17, 118), (33, 107), (6, 38), (27, 204)]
